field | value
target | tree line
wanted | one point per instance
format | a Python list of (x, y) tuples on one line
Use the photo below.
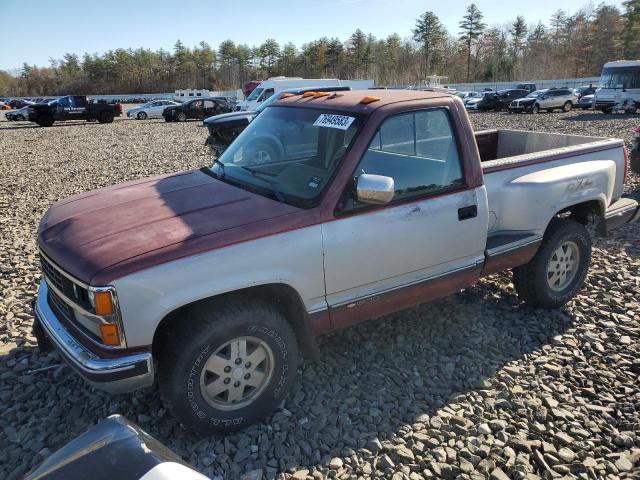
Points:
[(570, 45)]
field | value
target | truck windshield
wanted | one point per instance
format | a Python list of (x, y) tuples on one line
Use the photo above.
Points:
[(289, 154), (621, 77), (255, 94)]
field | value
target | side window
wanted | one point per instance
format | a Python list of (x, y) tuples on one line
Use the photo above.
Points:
[(65, 102), (208, 104), (418, 150), (267, 93)]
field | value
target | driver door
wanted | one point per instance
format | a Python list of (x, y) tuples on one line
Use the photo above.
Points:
[(429, 241)]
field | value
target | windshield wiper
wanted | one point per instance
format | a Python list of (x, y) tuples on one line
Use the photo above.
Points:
[(218, 162), (274, 190), (255, 171)]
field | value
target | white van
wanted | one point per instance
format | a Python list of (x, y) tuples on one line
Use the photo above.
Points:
[(277, 84), (619, 85)]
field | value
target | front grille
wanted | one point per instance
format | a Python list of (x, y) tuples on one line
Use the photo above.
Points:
[(60, 309), (71, 290)]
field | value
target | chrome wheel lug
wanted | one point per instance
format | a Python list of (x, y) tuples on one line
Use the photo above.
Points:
[(238, 361), (227, 369), (227, 380), (236, 384)]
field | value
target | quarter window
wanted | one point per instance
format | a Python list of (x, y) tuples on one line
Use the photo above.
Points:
[(418, 150)]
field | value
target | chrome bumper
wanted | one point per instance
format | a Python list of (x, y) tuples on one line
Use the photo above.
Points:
[(115, 375)]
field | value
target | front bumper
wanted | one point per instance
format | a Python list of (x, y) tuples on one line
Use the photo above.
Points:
[(115, 375)]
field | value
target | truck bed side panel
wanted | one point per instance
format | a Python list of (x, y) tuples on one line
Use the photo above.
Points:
[(525, 198)]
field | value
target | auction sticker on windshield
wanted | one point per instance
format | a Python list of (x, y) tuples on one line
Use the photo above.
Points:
[(340, 122)]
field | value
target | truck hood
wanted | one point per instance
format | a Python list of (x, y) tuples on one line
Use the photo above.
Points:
[(104, 234), (225, 119)]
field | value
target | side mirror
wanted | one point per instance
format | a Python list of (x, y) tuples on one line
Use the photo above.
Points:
[(374, 189)]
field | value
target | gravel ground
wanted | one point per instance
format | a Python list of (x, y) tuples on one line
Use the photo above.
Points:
[(474, 386)]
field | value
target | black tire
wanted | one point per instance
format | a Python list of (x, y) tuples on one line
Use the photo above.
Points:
[(184, 351), (567, 106), (168, 119), (531, 280), (45, 121), (141, 116), (182, 117), (607, 111), (106, 117), (498, 107), (549, 110), (535, 109)]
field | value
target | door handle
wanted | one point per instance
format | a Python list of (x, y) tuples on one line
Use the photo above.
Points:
[(466, 213)]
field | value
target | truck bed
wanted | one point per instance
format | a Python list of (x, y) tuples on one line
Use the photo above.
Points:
[(504, 149)]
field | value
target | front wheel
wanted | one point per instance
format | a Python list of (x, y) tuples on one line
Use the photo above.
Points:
[(557, 272), (142, 116), (227, 365), (567, 106), (535, 109), (182, 117)]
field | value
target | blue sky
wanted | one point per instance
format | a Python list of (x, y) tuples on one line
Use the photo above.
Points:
[(78, 26)]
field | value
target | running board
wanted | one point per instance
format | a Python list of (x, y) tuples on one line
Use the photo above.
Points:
[(509, 250)]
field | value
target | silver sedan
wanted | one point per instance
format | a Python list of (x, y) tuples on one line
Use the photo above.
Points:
[(152, 109)]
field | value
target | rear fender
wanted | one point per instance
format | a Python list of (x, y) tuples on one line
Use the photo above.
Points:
[(539, 196)]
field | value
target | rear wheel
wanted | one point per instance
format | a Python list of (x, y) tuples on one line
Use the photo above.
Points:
[(567, 106), (535, 109), (557, 272), (142, 116), (231, 367), (106, 117), (182, 117)]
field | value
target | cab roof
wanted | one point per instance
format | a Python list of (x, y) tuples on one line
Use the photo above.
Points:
[(351, 101)]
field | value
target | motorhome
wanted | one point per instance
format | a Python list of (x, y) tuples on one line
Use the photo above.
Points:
[(189, 94), (619, 87), (276, 84)]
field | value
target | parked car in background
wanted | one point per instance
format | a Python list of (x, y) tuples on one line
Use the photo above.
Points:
[(587, 101), (530, 87), (619, 85), (211, 281), (16, 103), (224, 128), (196, 109), (152, 109), (585, 90), (4, 106), (73, 107), (115, 448), (547, 99), (468, 95), (634, 154), (496, 100), (18, 115)]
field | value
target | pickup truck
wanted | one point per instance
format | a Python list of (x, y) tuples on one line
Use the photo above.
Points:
[(73, 107), (325, 211)]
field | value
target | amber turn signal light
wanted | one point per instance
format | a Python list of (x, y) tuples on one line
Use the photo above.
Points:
[(103, 303), (109, 334)]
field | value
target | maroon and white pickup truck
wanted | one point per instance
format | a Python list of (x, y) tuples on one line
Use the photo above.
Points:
[(330, 208)]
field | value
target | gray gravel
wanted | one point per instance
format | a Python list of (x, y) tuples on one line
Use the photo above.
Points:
[(474, 386)]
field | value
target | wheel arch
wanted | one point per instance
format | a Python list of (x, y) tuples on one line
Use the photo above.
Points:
[(583, 212), (282, 296)]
